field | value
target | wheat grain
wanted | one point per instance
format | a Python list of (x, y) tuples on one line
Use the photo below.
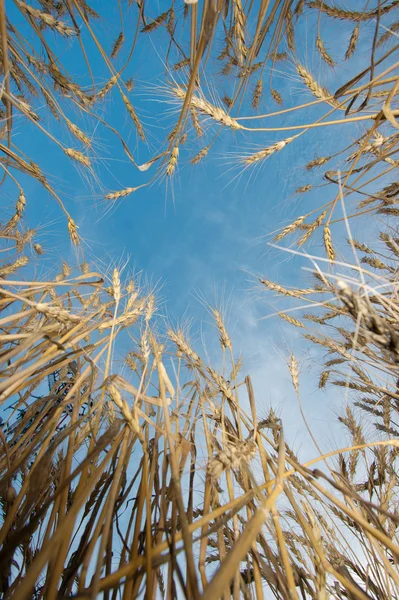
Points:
[(116, 285), (351, 15), (231, 457), (120, 193), (108, 86), (328, 243), (303, 189), (393, 28), (294, 370), (171, 166), (73, 231), (317, 162), (46, 19), (291, 320), (82, 137), (285, 292), (239, 30), (376, 263), (257, 94), (117, 45), (352, 42), (10, 268), (196, 123), (78, 156), (204, 107), (278, 56), (184, 347), (316, 89), (290, 228), (155, 23), (323, 52), (323, 378), (224, 336), (181, 64), (390, 243), (201, 154), (313, 226), (276, 97), (133, 116), (361, 247), (266, 152)]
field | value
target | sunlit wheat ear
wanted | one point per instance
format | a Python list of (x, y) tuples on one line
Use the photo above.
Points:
[(129, 84), (275, 287), (78, 156), (352, 42), (390, 242), (323, 379), (120, 193), (224, 336), (239, 30), (290, 228), (351, 15), (133, 116), (257, 93), (316, 89), (116, 285), (117, 45), (291, 320), (10, 268), (276, 97), (323, 52), (108, 87), (231, 457), (73, 231), (172, 162), (74, 129), (181, 64), (155, 23), (262, 154), (184, 347), (328, 242), (201, 154), (196, 123), (19, 209), (394, 28), (46, 19), (38, 249), (312, 227), (317, 162), (376, 263), (206, 108), (294, 370)]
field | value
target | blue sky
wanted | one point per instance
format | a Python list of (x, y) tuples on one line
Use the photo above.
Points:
[(203, 233)]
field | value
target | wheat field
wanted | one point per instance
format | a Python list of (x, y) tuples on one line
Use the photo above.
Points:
[(162, 478)]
